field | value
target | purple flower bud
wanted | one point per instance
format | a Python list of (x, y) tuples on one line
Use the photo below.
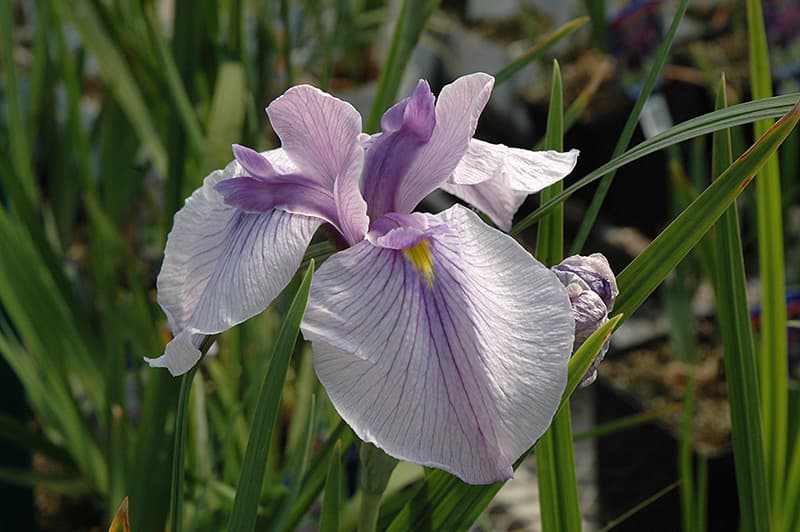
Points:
[(592, 289)]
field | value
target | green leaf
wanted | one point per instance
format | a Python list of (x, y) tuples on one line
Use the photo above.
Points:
[(582, 360), (541, 46), (413, 17), (19, 139), (332, 501), (558, 489), (225, 119), (31, 301), (639, 507), (183, 107), (300, 458), (15, 433), (315, 479), (446, 503), (117, 74), (627, 422), (774, 365), (733, 316), (68, 485), (627, 131), (248, 491), (727, 118), (650, 268)]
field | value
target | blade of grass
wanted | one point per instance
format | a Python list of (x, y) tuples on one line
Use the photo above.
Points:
[(558, 489), (701, 501), (14, 432), (117, 74), (185, 113), (739, 351), (541, 46), (413, 17), (301, 459), (685, 447), (647, 270), (315, 479), (628, 422), (774, 351), (332, 501), (19, 136), (225, 119), (597, 12), (735, 115), (627, 131), (248, 491), (639, 507), (67, 485)]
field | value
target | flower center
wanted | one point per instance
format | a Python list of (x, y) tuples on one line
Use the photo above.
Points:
[(420, 257)]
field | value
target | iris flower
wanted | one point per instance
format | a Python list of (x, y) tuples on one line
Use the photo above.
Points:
[(437, 337)]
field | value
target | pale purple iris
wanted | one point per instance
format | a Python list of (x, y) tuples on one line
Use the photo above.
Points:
[(592, 290), (437, 337)]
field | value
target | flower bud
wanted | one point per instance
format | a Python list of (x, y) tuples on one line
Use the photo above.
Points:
[(592, 289)]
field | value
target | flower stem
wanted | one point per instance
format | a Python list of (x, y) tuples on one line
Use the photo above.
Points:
[(370, 505), (376, 468)]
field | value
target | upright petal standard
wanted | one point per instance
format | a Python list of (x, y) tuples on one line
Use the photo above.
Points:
[(438, 339)]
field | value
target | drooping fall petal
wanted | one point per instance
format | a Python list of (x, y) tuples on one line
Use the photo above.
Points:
[(223, 265), (451, 352)]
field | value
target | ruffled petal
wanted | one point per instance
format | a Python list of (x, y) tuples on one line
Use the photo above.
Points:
[(319, 132), (223, 265), (461, 368), (497, 179), (457, 111)]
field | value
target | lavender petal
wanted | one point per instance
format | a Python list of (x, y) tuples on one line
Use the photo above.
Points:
[(463, 372)]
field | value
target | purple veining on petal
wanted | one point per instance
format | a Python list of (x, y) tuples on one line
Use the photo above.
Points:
[(405, 128), (463, 374), (596, 272)]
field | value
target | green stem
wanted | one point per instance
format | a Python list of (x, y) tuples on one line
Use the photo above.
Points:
[(370, 506), (181, 420), (176, 496)]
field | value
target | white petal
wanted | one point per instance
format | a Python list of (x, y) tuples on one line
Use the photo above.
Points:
[(180, 354), (493, 197), (497, 179), (463, 374), (222, 266)]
